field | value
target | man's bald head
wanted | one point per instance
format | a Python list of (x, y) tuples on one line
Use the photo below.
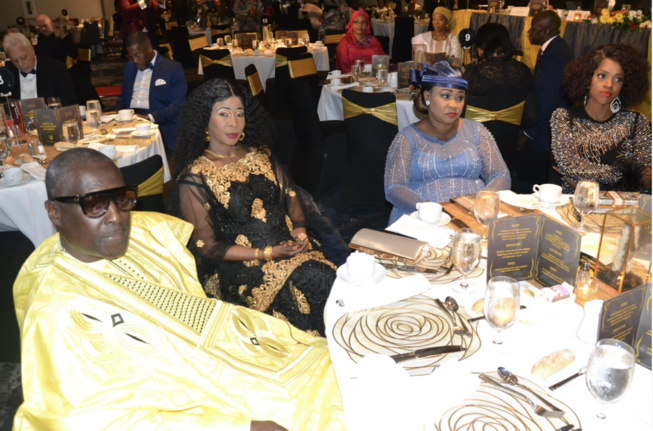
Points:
[(44, 24)]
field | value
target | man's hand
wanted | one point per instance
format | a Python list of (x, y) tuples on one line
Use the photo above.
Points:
[(266, 426)]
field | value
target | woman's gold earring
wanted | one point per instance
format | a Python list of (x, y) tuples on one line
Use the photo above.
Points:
[(242, 136), (207, 138)]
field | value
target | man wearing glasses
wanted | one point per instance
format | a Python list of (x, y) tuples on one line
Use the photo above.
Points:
[(117, 332)]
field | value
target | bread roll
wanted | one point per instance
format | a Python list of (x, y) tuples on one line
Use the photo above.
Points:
[(553, 363), (478, 306)]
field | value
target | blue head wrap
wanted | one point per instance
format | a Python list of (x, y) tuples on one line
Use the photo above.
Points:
[(439, 74)]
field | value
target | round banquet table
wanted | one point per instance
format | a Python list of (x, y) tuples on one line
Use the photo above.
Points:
[(387, 28)]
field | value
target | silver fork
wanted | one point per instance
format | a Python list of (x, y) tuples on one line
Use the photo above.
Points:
[(538, 409)]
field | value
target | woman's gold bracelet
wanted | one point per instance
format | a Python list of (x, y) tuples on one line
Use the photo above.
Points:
[(268, 253), (256, 254)]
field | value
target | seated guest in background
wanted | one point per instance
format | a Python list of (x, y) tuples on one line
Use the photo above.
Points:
[(413, 7), (358, 43), (380, 8), (153, 86), (66, 47), (600, 140), (314, 13), (199, 9), (443, 155), (248, 14), (336, 13), (498, 82), (90, 307), (250, 240), (36, 76), (219, 13), (47, 43), (441, 40)]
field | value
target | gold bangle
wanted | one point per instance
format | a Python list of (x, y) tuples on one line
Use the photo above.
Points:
[(268, 253), (256, 254)]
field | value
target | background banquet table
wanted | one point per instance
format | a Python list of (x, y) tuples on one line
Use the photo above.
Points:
[(387, 28), (22, 206), (265, 65), (385, 398)]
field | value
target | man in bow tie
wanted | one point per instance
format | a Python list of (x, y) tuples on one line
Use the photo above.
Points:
[(36, 76), (153, 86)]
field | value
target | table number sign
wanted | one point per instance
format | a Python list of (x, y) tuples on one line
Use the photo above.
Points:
[(28, 107), (48, 122), (533, 247), (403, 75), (627, 317)]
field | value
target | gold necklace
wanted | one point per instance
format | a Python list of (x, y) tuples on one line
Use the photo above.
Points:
[(437, 37), (220, 156)]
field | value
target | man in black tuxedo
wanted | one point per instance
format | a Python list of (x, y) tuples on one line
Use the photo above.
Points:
[(48, 44), (36, 76), (551, 61)]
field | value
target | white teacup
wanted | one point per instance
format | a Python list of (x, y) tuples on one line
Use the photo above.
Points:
[(549, 193), (368, 90), (142, 129), (318, 44), (336, 72), (125, 114), (13, 175), (360, 266), (430, 212), (109, 151), (367, 68), (336, 82)]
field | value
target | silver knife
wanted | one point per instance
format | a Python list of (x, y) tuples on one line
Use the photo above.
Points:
[(429, 351), (539, 410)]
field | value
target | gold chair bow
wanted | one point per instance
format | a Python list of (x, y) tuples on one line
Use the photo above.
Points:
[(387, 113), (303, 67), (255, 86), (83, 54), (152, 185), (510, 115), (70, 62), (224, 61), (280, 61)]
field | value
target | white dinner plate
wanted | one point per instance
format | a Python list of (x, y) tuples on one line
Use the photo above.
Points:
[(379, 274), (26, 178), (444, 219)]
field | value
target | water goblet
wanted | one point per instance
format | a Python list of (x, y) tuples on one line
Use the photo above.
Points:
[(94, 104), (227, 40), (501, 305), (382, 76), (465, 256), (586, 198), (92, 119), (610, 371), (220, 43), (234, 43), (355, 71), (306, 39), (70, 131), (53, 103), (486, 209), (255, 44)]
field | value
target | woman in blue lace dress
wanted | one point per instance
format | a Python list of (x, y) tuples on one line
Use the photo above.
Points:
[(443, 155)]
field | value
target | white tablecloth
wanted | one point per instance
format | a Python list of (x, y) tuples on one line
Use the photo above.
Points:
[(22, 207), (265, 65), (386, 28), (330, 108)]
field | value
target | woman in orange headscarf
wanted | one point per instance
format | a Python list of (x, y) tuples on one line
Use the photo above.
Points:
[(357, 44)]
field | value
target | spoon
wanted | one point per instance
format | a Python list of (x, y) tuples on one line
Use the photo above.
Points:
[(568, 379), (452, 305), (513, 380)]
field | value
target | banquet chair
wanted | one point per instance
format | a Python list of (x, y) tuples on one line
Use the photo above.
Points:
[(81, 71), (402, 48), (197, 43), (148, 175), (166, 50), (171, 24), (179, 39), (370, 126), (304, 69), (331, 40), (216, 63), (276, 88), (254, 84)]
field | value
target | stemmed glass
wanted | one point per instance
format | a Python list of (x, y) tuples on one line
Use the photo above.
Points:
[(227, 39), (92, 119), (610, 371), (382, 76), (356, 71), (501, 304), (306, 38), (586, 198), (94, 104), (234, 43), (465, 256), (219, 43), (486, 209), (70, 132)]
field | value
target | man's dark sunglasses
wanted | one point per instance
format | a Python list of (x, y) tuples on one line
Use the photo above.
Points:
[(96, 204)]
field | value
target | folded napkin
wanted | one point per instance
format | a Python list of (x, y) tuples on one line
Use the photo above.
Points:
[(436, 236), (35, 170), (108, 117), (126, 148)]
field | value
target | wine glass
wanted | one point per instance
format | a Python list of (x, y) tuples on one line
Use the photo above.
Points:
[(70, 131), (610, 371), (382, 76), (501, 304), (255, 44), (92, 119), (53, 103), (227, 39), (220, 43), (306, 39), (94, 104), (465, 256), (355, 71), (486, 209), (586, 198), (234, 43)]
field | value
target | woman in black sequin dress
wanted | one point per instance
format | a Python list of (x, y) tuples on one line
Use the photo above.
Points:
[(599, 140), (250, 240)]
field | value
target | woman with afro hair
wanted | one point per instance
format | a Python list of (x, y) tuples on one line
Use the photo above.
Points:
[(250, 242), (599, 140)]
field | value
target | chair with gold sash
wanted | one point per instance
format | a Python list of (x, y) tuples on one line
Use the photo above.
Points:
[(331, 40), (275, 88), (370, 126), (304, 69), (197, 43), (216, 63), (148, 175), (254, 84), (178, 37)]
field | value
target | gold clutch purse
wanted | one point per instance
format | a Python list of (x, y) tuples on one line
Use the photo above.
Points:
[(389, 246)]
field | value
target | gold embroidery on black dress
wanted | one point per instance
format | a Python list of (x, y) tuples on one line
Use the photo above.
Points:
[(291, 228), (212, 286), (243, 241), (258, 211)]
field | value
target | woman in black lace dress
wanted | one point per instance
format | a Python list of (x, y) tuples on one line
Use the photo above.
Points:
[(250, 240), (501, 95)]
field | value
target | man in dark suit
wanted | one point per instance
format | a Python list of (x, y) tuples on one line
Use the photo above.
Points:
[(48, 44), (551, 61), (36, 76), (153, 86)]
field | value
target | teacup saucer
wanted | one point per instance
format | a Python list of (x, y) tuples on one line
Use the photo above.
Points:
[(444, 219), (563, 199), (137, 134), (124, 120), (379, 274)]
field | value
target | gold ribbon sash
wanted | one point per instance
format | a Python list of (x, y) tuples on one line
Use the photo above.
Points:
[(255, 86), (152, 185), (303, 67), (331, 39), (280, 61), (510, 115), (70, 62), (387, 113), (224, 61), (83, 54)]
